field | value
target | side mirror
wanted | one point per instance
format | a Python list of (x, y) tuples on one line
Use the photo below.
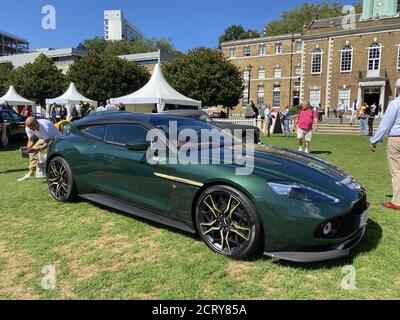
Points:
[(139, 146)]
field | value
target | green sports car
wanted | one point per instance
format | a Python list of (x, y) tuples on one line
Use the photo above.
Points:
[(293, 206)]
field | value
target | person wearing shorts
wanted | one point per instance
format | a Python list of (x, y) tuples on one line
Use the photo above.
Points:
[(305, 120)]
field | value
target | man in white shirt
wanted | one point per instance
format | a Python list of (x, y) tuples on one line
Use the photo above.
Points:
[(342, 108), (45, 131), (109, 106), (390, 125), (354, 111)]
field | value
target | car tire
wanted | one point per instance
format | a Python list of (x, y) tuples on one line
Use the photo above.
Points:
[(5, 140), (228, 222), (60, 180)]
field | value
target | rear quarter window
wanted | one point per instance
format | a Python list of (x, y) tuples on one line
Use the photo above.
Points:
[(96, 132)]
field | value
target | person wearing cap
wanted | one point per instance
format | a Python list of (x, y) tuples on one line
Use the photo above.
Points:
[(390, 125)]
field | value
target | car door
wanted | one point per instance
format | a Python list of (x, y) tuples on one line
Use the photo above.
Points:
[(125, 173)]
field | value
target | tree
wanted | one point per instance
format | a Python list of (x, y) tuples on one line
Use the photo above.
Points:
[(237, 32), (121, 47), (292, 21), (103, 76), (39, 80), (6, 72), (205, 74)]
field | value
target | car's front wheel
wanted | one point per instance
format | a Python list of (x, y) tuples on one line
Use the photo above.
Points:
[(228, 222), (60, 180)]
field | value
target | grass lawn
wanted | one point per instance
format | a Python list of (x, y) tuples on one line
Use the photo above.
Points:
[(102, 254)]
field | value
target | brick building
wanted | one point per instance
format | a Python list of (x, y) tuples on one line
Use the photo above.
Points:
[(343, 58)]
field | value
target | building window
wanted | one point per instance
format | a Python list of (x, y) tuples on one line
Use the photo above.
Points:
[(398, 58), (316, 61), (278, 48), (246, 75), (374, 57), (344, 95), (260, 95), (315, 97), (298, 72), (278, 72), (232, 53), (261, 73), (261, 49), (299, 46), (346, 59), (276, 96), (245, 96), (246, 51)]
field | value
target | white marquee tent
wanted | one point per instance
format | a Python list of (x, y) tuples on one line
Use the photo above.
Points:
[(156, 92), (14, 99), (70, 98)]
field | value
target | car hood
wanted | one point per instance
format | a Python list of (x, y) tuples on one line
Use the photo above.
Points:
[(276, 163)]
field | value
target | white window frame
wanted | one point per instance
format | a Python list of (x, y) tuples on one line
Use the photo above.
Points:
[(246, 51), (277, 72), (278, 48), (262, 49), (232, 53), (261, 73), (299, 46), (245, 96), (260, 95), (297, 71), (376, 62), (246, 75), (276, 97), (347, 99), (316, 52), (347, 49), (315, 95), (398, 57)]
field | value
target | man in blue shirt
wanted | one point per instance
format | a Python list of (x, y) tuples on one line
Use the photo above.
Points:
[(390, 125)]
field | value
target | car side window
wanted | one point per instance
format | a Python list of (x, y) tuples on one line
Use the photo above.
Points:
[(123, 134), (96, 132)]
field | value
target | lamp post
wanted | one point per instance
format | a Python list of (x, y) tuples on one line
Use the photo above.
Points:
[(249, 68)]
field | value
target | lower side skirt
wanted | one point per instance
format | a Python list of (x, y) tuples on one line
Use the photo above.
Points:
[(115, 203)]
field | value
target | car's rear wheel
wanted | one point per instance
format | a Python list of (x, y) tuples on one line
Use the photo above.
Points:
[(5, 139), (228, 222), (60, 180)]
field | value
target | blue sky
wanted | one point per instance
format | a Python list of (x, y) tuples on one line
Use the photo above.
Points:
[(188, 23)]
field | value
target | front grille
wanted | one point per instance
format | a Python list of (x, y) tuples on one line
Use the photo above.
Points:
[(346, 225)]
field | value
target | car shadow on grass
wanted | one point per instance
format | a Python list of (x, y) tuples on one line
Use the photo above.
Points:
[(148, 222), (317, 153), (370, 242)]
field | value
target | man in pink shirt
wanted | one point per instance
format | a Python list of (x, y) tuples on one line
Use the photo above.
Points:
[(305, 120)]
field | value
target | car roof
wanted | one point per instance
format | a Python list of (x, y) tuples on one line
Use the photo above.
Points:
[(184, 112), (118, 116)]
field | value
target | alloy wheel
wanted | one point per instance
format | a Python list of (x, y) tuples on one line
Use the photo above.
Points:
[(58, 180), (224, 223)]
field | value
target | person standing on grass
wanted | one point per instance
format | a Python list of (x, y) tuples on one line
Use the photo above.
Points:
[(286, 121), (320, 110), (44, 131), (362, 118), (306, 118), (268, 121), (371, 113), (390, 125)]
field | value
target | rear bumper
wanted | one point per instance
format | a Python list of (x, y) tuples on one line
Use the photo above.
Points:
[(335, 252)]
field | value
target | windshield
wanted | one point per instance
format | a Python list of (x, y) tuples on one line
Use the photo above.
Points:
[(176, 130)]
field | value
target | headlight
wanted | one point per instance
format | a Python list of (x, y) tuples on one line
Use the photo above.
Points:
[(300, 192)]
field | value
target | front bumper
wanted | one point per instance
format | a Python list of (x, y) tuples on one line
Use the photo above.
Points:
[(338, 251)]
